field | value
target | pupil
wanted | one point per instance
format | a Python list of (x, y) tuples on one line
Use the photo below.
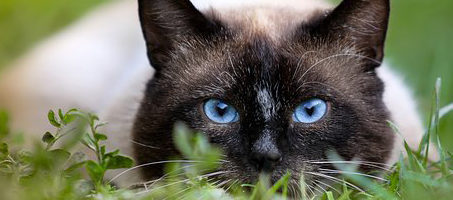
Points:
[(221, 108), (310, 110)]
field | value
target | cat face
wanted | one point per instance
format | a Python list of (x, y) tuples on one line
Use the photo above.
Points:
[(273, 102)]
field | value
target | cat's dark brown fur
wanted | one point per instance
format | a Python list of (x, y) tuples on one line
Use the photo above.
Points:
[(265, 76)]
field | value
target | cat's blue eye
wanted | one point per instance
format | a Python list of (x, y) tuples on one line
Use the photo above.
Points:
[(310, 111), (220, 112)]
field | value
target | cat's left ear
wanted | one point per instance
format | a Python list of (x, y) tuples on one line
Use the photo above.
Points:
[(362, 22), (168, 23)]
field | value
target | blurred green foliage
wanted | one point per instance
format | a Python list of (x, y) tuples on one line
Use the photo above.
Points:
[(420, 45), (419, 41), (23, 23)]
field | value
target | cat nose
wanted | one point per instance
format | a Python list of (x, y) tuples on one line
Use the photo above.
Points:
[(265, 154), (266, 161)]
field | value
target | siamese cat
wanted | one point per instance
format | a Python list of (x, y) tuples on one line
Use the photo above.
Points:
[(275, 84)]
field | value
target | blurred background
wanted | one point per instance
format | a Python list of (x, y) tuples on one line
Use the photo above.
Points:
[(419, 45)]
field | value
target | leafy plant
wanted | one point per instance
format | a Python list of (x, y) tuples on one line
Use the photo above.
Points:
[(105, 160), (52, 170)]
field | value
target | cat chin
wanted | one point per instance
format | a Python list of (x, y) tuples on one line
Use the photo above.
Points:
[(100, 66)]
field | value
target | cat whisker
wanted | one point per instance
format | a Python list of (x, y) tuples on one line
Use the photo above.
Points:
[(168, 174), (303, 188), (321, 190), (149, 164), (231, 185), (349, 161), (182, 191), (291, 190), (380, 166), (309, 189), (144, 145), (331, 171), (185, 180), (224, 161), (213, 183), (163, 186), (220, 185), (327, 186), (334, 179)]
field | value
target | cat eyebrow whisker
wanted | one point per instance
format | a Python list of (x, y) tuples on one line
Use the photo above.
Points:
[(324, 84), (299, 63), (335, 56)]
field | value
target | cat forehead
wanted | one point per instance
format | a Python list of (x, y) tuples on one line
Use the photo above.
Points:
[(275, 23), (260, 42), (259, 54), (261, 66)]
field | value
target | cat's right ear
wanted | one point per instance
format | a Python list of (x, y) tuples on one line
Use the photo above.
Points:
[(166, 23), (362, 23)]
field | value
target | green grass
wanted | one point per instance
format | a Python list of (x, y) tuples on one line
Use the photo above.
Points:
[(23, 23), (420, 45), (51, 171)]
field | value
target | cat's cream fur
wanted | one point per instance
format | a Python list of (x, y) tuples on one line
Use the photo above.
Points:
[(99, 64)]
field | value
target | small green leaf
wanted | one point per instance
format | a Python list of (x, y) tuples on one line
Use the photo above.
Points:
[(68, 118), (4, 130), (60, 154), (71, 111), (92, 118), (278, 185), (100, 137), (346, 193), (330, 195), (95, 171), (74, 167), (88, 141), (118, 162), (48, 138), (182, 137), (75, 161), (52, 119), (413, 163), (60, 114), (113, 153), (103, 150), (3, 150), (450, 160), (25, 156)]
